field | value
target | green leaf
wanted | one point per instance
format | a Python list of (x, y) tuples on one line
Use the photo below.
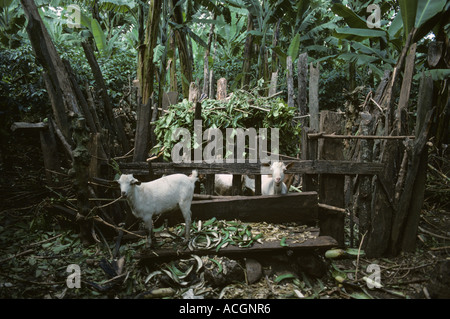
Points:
[(353, 20), (359, 295), (395, 26), (294, 47), (437, 74), (283, 277), (364, 33), (408, 10), (426, 9), (99, 36), (283, 242)]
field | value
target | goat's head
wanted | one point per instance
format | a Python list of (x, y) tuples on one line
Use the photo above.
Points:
[(277, 169), (126, 181)]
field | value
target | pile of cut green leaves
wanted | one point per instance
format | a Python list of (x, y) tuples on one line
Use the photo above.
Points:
[(217, 234), (241, 110)]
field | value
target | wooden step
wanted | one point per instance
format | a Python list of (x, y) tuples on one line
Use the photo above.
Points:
[(182, 251)]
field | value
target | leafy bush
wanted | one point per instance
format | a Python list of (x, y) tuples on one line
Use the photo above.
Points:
[(21, 87), (241, 110)]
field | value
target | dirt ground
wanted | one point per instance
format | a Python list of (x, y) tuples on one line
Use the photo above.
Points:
[(38, 245)]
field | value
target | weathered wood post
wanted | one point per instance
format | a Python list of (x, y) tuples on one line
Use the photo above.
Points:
[(424, 104), (290, 82), (331, 187), (221, 88), (364, 191), (80, 175), (302, 69), (309, 152), (314, 97)]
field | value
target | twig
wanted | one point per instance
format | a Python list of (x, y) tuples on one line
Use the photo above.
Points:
[(378, 105), (332, 208), (432, 234), (357, 257), (45, 240), (439, 248), (440, 173), (96, 218), (17, 255)]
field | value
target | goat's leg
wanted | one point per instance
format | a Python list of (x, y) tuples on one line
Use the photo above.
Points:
[(186, 211), (149, 223)]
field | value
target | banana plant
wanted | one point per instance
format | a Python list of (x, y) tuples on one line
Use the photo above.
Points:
[(366, 42)]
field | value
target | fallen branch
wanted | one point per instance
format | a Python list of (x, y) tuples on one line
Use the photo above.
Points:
[(98, 219)]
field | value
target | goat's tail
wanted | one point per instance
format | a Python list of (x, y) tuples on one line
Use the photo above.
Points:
[(194, 176)]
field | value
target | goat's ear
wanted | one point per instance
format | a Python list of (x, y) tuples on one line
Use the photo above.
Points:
[(135, 182), (290, 165)]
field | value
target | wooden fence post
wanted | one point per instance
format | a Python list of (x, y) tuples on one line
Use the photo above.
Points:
[(309, 152), (331, 187), (290, 82), (221, 88), (424, 103), (314, 97), (302, 69)]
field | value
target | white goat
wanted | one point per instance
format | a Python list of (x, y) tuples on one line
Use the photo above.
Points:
[(156, 197), (223, 184), (275, 185)]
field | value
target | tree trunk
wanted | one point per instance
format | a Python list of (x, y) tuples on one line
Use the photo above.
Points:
[(247, 54), (115, 124), (173, 64), (146, 71), (206, 61), (58, 83), (183, 49)]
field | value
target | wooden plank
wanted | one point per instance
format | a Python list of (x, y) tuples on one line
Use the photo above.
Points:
[(299, 167), (359, 137), (28, 126), (292, 207), (320, 242)]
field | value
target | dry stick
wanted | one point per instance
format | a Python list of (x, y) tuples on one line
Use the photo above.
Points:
[(17, 255), (357, 257), (432, 234), (440, 173), (332, 208), (401, 176), (96, 218), (45, 240)]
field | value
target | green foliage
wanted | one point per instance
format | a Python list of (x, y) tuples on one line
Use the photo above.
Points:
[(242, 110), (21, 88)]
